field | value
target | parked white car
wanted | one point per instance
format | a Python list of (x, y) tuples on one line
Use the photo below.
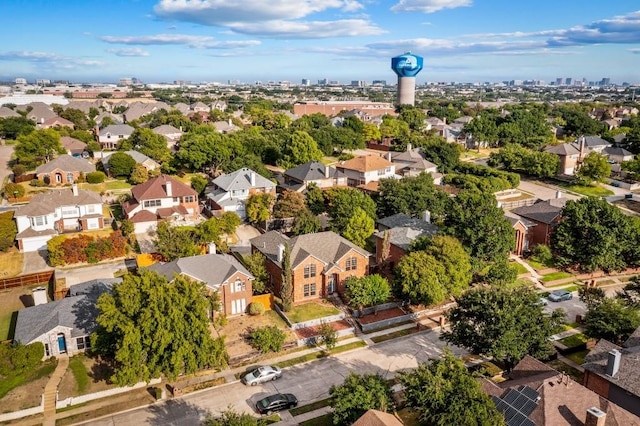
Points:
[(261, 375)]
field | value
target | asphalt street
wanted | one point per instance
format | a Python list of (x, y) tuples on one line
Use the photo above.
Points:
[(571, 307), (309, 382)]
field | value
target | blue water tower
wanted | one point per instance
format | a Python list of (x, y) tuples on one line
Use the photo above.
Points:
[(407, 66)]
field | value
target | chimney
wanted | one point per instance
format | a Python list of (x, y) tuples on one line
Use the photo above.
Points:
[(181, 128), (280, 252), (595, 417), (613, 362), (230, 123), (426, 216), (74, 188), (252, 178), (167, 186), (212, 248), (408, 147), (389, 156), (39, 295), (558, 194), (581, 148), (326, 172)]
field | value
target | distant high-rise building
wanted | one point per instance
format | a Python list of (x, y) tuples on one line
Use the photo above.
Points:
[(181, 82), (358, 83), (43, 81), (21, 80), (406, 67), (559, 81), (379, 82), (126, 81), (568, 81), (306, 82), (322, 82), (606, 81)]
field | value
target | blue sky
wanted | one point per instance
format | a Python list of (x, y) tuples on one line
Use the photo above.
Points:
[(217, 40)]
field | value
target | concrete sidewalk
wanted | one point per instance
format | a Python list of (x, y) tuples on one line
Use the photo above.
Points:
[(51, 391)]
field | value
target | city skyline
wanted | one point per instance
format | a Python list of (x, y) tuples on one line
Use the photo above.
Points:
[(344, 40)]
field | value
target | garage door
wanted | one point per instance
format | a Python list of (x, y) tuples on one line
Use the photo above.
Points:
[(35, 244)]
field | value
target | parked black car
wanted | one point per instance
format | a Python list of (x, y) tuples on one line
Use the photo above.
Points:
[(277, 402)]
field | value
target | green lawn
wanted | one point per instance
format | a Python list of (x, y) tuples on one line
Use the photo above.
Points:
[(322, 354), (310, 311), (13, 381), (521, 269), (555, 276), (326, 420), (79, 371), (578, 357), (309, 407), (590, 191), (395, 334), (574, 340)]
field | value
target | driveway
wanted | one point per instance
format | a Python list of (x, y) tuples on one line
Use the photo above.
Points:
[(35, 261), (571, 307), (245, 233), (544, 192), (86, 273)]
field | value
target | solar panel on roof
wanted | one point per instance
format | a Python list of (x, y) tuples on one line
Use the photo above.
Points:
[(530, 393), (516, 405)]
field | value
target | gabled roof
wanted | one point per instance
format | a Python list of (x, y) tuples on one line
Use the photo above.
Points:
[(377, 418), (414, 157), (212, 269), (328, 246), (514, 218), (403, 236), (57, 121), (593, 141), (47, 202), (628, 375), (117, 129), (563, 149), (365, 163), (542, 211), (72, 144), (166, 129), (611, 150), (157, 188), (8, 112), (313, 170), (241, 179), (67, 163)]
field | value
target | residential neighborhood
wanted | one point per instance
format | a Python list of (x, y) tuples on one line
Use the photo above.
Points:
[(200, 254)]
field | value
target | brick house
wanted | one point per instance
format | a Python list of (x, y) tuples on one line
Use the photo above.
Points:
[(320, 262), (544, 215), (523, 229), (401, 229), (162, 197), (63, 170), (231, 191), (221, 273)]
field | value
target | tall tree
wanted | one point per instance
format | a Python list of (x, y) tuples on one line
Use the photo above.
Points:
[(504, 323), (455, 260), (357, 394), (175, 242), (150, 144), (443, 392), (121, 164), (419, 277), (306, 223), (595, 167), (359, 228), (611, 319), (299, 149), (342, 203), (286, 290), (38, 146), (412, 196), (289, 204), (255, 263), (258, 207), (149, 327)]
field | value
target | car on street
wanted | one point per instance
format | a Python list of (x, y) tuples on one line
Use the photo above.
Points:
[(544, 301), (277, 402), (261, 375), (560, 295)]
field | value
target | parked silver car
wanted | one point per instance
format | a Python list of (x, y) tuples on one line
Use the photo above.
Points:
[(261, 375), (559, 295)]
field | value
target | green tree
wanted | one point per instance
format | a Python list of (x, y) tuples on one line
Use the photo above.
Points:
[(342, 203), (367, 291), (255, 263), (315, 199), (455, 260), (13, 127), (12, 190), (199, 183), (38, 146), (517, 158), (611, 319), (504, 323), (443, 392), (268, 338), (150, 144), (289, 204), (139, 174), (328, 336), (286, 289), (306, 223), (175, 242), (412, 196), (594, 234), (595, 167), (359, 228), (371, 132), (419, 278), (78, 118), (149, 327), (358, 394), (480, 225), (121, 164), (300, 148), (8, 231), (258, 207), (413, 117), (501, 273)]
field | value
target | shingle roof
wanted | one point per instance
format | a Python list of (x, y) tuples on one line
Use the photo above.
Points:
[(117, 129), (72, 144), (212, 269), (403, 236), (157, 188), (8, 112), (542, 211), (241, 179), (313, 170), (414, 157), (564, 149), (47, 202), (396, 220), (365, 163), (67, 163), (328, 246), (59, 121), (628, 375), (377, 418), (611, 150), (591, 141), (166, 129), (633, 340)]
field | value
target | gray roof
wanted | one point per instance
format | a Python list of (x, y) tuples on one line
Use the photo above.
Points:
[(47, 202), (414, 157), (117, 129), (403, 236), (611, 150), (591, 141), (514, 218), (241, 179), (564, 149), (212, 269), (99, 285), (67, 163), (328, 247), (8, 112), (542, 211), (397, 220), (77, 312), (166, 129), (313, 170), (628, 376), (136, 155)]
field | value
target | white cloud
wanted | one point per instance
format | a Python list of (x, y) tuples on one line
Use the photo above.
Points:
[(197, 41), (129, 52), (428, 6), (44, 59), (309, 29)]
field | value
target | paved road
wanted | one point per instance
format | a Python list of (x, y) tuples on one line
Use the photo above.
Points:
[(571, 307), (308, 382)]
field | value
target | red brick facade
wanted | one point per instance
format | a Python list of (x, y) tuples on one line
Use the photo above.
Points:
[(596, 383), (236, 296)]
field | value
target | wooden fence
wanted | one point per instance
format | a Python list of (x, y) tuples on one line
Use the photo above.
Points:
[(26, 280)]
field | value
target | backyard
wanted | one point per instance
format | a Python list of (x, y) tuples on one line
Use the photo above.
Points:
[(11, 301), (11, 262)]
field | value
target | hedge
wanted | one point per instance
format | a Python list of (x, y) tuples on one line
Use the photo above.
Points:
[(84, 248)]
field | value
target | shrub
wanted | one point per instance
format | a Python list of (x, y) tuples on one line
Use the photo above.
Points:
[(37, 183), (256, 308), (13, 189), (18, 170), (8, 230), (267, 339), (15, 359), (543, 254), (96, 177)]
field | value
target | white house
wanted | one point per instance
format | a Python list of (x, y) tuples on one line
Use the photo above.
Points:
[(114, 133), (54, 212), (231, 191)]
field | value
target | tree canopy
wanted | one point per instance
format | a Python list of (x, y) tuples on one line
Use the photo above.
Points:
[(595, 167), (121, 164), (412, 196), (357, 394), (360, 227), (504, 323), (367, 291), (342, 204), (150, 327), (38, 146)]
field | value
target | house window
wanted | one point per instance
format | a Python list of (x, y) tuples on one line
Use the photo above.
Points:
[(309, 290), (310, 271), (39, 221), (92, 224), (352, 263), (91, 208), (176, 199), (70, 177), (240, 285), (152, 203), (188, 199), (83, 343), (47, 352), (381, 172), (69, 211)]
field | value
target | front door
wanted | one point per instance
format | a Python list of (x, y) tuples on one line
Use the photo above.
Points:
[(331, 284), (62, 344)]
